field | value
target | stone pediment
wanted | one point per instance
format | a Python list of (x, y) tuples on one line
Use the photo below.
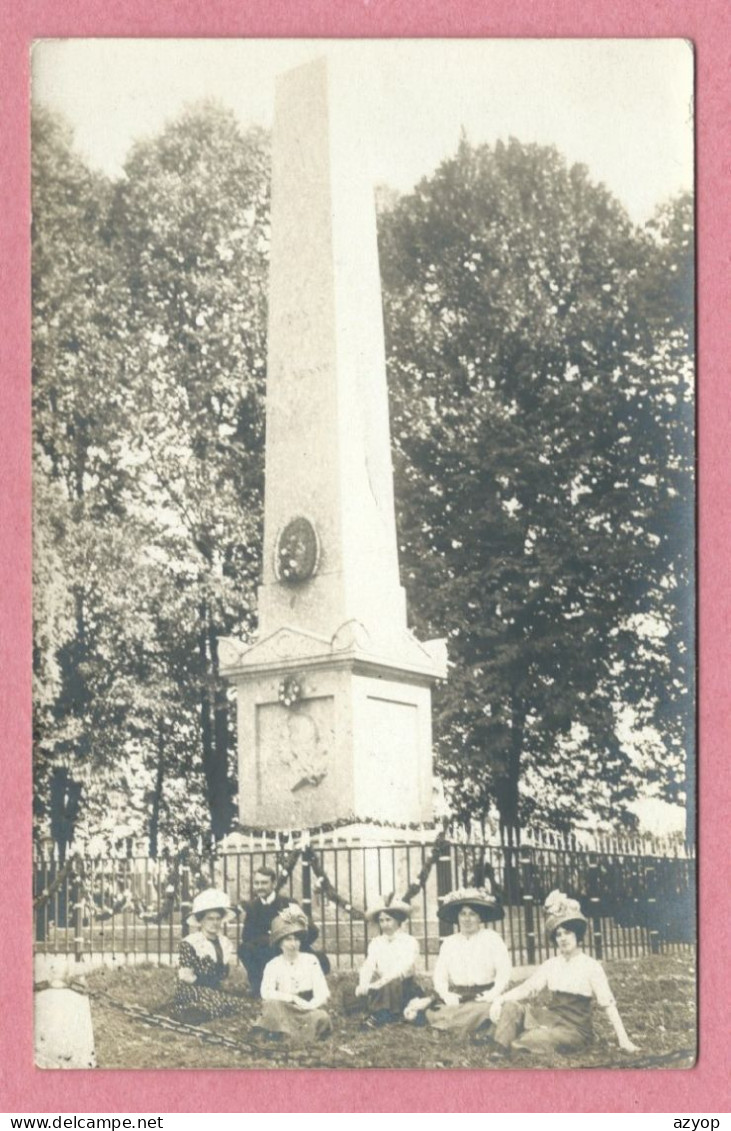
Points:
[(350, 642), (431, 655), (352, 635), (437, 651), (284, 645)]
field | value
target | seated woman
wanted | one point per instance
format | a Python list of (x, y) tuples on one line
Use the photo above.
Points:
[(386, 979), (205, 956), (473, 966), (575, 982), (293, 988)]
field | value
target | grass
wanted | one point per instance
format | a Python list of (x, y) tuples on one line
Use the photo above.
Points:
[(656, 998)]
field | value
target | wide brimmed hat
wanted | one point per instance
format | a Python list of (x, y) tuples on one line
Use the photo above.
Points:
[(209, 900), (560, 910), (480, 899), (291, 921), (396, 908)]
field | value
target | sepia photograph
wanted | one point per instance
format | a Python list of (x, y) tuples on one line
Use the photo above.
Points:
[(363, 410)]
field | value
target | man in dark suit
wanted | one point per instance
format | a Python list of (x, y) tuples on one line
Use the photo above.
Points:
[(255, 950)]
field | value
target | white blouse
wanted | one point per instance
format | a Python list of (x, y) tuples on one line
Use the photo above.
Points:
[(472, 960), (282, 979), (580, 974), (389, 958)]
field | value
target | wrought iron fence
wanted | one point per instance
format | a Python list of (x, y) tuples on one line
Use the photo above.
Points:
[(133, 908)]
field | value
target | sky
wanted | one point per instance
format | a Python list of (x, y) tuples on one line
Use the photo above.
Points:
[(624, 108)]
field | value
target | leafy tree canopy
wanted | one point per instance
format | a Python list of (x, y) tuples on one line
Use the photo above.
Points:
[(149, 422), (543, 476)]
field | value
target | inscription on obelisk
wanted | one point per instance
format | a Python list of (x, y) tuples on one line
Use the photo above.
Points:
[(334, 700)]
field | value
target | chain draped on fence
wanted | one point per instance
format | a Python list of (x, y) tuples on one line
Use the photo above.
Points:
[(130, 907)]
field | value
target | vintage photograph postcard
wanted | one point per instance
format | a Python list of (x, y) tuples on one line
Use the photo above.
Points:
[(363, 567)]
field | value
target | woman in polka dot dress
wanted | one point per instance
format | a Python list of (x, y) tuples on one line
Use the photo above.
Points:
[(205, 956)]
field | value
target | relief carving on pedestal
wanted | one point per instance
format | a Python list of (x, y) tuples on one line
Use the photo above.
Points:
[(295, 738), (305, 758)]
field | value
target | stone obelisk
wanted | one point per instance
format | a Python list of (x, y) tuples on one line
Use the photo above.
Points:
[(334, 698)]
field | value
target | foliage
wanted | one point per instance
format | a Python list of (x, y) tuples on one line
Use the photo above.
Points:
[(157, 523), (538, 471), (78, 476)]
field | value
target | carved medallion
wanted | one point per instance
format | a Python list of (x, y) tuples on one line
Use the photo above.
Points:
[(297, 552)]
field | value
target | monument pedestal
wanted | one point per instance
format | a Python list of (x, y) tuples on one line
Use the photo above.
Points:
[(328, 733)]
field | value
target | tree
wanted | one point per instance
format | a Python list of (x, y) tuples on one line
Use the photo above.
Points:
[(78, 475), (190, 221), (523, 406), (151, 435), (665, 294)]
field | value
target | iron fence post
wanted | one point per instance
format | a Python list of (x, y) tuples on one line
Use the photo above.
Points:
[(78, 918), (530, 928), (306, 888), (592, 887), (444, 883), (651, 912), (185, 900)]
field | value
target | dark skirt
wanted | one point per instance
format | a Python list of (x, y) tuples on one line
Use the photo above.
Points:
[(563, 1026), (387, 1003), (203, 1003), (465, 1018)]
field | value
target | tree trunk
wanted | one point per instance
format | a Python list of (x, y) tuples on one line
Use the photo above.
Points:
[(157, 796), (225, 811), (214, 732), (507, 792), (507, 797), (65, 805), (206, 727), (690, 794)]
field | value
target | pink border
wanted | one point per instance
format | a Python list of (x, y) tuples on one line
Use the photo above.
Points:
[(703, 1089)]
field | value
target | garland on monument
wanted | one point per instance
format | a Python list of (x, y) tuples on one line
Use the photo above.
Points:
[(97, 910), (325, 885), (284, 871), (331, 827), (47, 893), (328, 889), (417, 885)]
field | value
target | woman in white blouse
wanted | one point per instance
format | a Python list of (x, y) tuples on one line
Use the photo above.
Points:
[(386, 978), (293, 988), (473, 967), (575, 982)]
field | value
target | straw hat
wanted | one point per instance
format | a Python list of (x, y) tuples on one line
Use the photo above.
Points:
[(396, 908), (561, 911), (480, 900), (291, 921), (209, 900)]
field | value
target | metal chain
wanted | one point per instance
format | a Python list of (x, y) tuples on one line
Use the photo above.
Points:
[(161, 1022), (156, 1020)]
